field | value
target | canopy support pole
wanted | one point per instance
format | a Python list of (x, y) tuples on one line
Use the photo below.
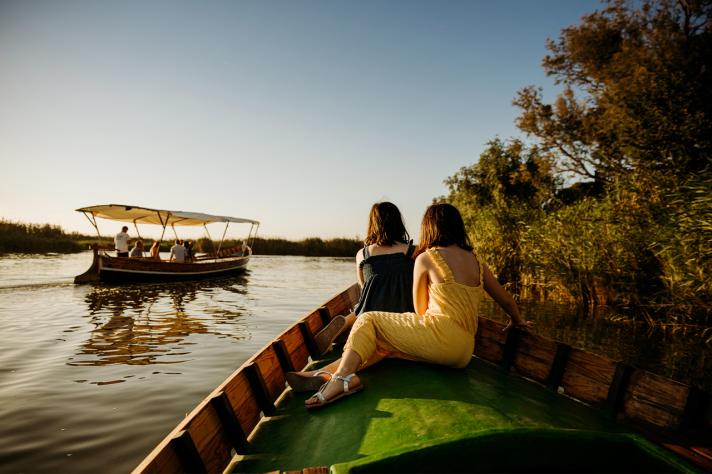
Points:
[(208, 232), (92, 221), (223, 236), (249, 234), (174, 231), (164, 226), (137, 232), (255, 235)]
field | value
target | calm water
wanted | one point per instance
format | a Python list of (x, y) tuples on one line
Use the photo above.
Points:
[(92, 377)]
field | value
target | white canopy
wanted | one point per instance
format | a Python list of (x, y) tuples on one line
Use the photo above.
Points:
[(162, 217)]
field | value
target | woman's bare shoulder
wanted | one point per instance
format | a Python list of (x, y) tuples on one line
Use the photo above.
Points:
[(359, 255), (424, 259)]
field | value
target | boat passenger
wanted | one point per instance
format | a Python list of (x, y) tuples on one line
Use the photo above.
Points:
[(137, 250), (189, 251), (121, 242), (156, 250), (449, 281), (177, 252), (384, 268)]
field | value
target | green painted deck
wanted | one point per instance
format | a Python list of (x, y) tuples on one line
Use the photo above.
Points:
[(429, 418)]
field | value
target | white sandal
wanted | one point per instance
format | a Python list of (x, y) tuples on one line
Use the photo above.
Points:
[(347, 391)]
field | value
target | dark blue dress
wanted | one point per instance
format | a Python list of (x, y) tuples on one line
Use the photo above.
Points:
[(388, 282)]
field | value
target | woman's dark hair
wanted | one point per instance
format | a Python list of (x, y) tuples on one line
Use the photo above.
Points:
[(385, 225), (442, 226)]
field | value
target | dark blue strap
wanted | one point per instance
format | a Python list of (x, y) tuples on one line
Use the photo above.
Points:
[(411, 248), (365, 252)]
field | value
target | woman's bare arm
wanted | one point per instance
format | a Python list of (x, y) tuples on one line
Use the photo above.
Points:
[(504, 300), (359, 273), (420, 284)]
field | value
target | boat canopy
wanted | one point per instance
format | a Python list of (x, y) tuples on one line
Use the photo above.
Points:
[(162, 217)]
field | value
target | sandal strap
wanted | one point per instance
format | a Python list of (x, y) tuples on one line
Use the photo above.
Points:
[(346, 379), (320, 393), (322, 372)]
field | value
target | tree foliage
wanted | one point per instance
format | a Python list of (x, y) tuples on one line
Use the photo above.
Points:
[(636, 92), (609, 202), (507, 187)]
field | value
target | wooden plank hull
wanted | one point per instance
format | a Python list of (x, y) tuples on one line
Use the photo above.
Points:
[(237, 415), (121, 269)]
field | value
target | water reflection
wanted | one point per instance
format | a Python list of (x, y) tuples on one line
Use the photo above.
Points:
[(142, 324)]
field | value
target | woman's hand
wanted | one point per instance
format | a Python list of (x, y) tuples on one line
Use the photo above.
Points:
[(521, 324)]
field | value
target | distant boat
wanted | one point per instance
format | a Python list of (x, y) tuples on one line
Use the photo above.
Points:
[(221, 261), (525, 403)]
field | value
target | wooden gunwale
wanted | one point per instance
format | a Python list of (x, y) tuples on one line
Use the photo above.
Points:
[(149, 265), (108, 267), (164, 459), (669, 413)]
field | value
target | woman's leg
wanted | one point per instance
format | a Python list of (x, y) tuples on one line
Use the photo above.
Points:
[(361, 350), (348, 364), (301, 380)]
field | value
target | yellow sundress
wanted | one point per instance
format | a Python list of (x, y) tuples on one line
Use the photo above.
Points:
[(444, 335)]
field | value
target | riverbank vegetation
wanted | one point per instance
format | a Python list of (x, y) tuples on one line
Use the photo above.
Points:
[(310, 247), (16, 237), (608, 200)]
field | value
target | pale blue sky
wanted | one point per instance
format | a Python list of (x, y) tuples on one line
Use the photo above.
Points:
[(300, 114)]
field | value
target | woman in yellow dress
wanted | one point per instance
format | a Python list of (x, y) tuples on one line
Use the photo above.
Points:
[(448, 283)]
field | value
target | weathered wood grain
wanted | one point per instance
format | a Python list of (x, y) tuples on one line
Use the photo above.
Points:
[(165, 462), (272, 373), (587, 376), (534, 357), (654, 399), (340, 304), (316, 470), (239, 394), (490, 340), (354, 293), (211, 440), (296, 347), (313, 321)]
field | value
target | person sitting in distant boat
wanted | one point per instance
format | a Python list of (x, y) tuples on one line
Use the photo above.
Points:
[(449, 281), (156, 250), (177, 252), (189, 251), (137, 250), (384, 268), (244, 249), (121, 242)]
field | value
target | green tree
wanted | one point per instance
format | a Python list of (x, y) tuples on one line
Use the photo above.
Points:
[(498, 196), (636, 92)]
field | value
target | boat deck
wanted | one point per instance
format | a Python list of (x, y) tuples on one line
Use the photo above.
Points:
[(505, 412), (481, 416)]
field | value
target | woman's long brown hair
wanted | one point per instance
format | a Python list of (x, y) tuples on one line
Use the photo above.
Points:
[(442, 226), (385, 225)]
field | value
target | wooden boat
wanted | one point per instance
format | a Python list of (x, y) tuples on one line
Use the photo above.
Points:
[(525, 403), (222, 261)]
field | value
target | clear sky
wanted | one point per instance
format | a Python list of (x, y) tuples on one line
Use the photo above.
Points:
[(300, 114)]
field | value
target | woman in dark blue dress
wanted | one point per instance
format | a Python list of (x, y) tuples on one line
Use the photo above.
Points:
[(384, 267)]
